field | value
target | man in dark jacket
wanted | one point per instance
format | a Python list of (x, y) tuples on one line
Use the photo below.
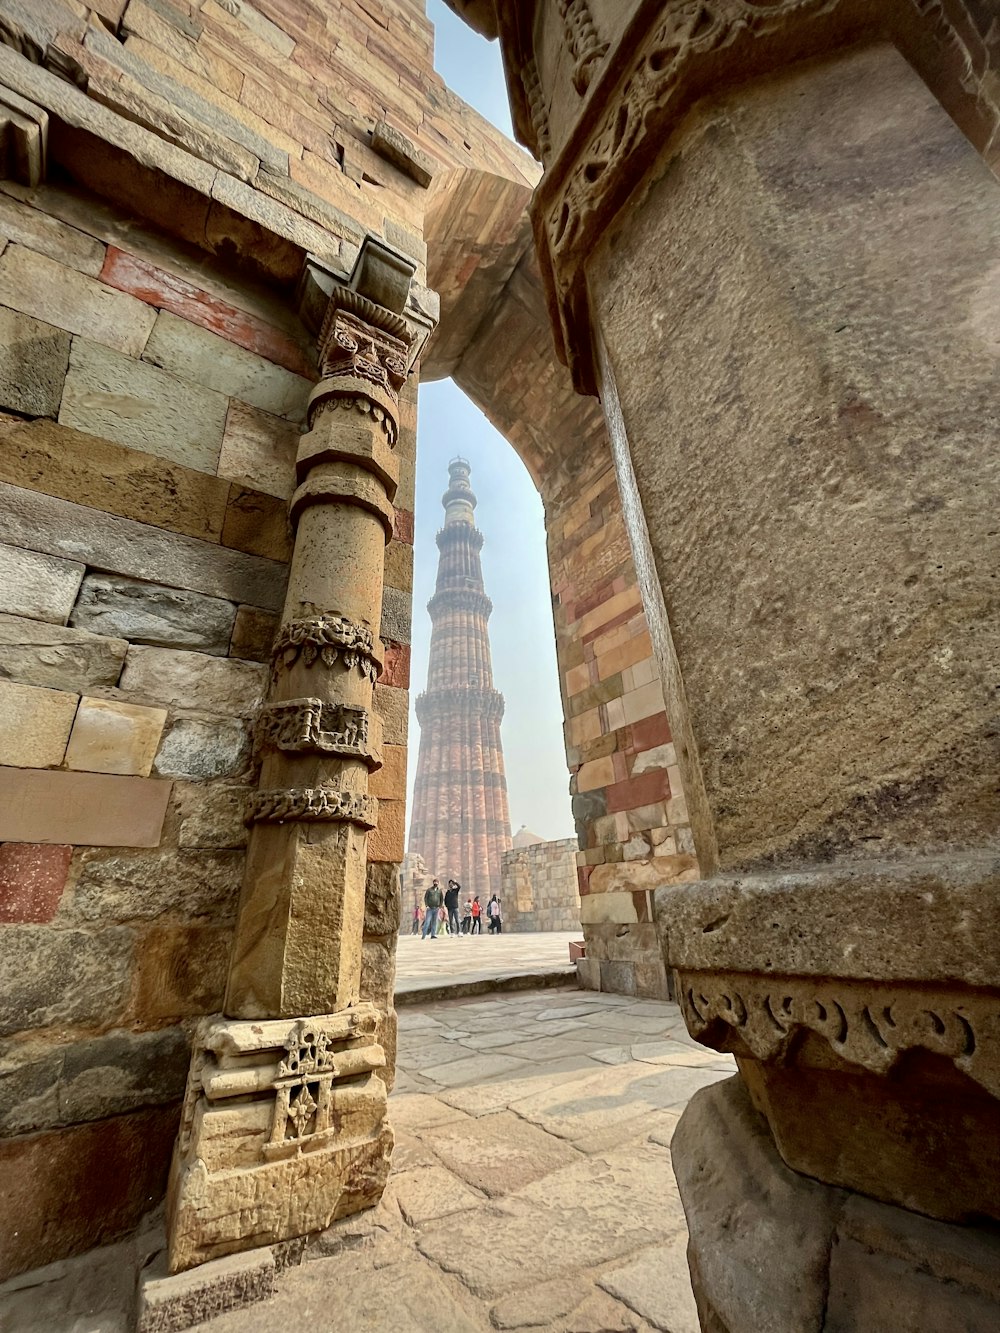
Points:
[(432, 902), (451, 902)]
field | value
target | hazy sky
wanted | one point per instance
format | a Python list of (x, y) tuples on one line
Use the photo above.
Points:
[(510, 517)]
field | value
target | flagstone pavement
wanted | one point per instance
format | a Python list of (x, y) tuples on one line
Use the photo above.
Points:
[(531, 1184), (428, 964)]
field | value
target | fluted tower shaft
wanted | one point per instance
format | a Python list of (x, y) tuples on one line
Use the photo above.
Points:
[(461, 822)]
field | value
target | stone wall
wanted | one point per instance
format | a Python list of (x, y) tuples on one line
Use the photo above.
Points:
[(540, 887)]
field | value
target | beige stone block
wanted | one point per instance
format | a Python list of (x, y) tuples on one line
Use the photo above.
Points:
[(585, 727), (609, 610), (33, 361), (632, 876), (195, 680), (37, 285), (661, 756), (616, 714), (578, 678), (399, 566), (36, 653), (41, 587), (643, 702), (85, 809), (34, 725), (617, 908), (596, 773), (38, 231), (113, 737), (195, 354), (258, 449), (392, 705), (135, 404)]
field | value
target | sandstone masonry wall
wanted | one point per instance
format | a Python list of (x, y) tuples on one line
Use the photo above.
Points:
[(540, 887)]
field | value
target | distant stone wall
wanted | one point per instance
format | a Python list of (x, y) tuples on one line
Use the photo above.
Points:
[(540, 887)]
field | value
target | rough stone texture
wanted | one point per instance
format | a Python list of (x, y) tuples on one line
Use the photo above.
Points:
[(35, 653), (121, 546), (522, 1153), (34, 724), (38, 286), (33, 361), (194, 680), (211, 816), (32, 879), (199, 748), (182, 885), (46, 1085), (180, 972), (38, 586), (194, 354), (86, 809), (151, 614), (112, 737), (48, 236), (382, 902), (169, 1304), (66, 1200), (144, 408), (658, 1287), (63, 976), (253, 634), (541, 890)]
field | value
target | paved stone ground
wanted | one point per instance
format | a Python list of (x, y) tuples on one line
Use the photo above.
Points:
[(531, 1183), (531, 1188), (427, 964)]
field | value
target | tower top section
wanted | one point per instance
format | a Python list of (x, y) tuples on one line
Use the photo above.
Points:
[(459, 499)]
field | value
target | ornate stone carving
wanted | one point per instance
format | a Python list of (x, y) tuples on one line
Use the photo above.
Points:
[(327, 639), (584, 42), (299, 1104), (866, 1023), (313, 804), (364, 358), (311, 725), (537, 109)]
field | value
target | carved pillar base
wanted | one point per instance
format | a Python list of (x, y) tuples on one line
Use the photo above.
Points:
[(771, 1251), (284, 1130)]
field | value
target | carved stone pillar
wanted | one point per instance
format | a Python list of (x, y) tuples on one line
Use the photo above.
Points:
[(770, 245), (284, 1126)]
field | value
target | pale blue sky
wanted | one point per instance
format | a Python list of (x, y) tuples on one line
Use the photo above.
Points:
[(510, 517)]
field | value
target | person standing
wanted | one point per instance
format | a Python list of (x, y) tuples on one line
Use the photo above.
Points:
[(432, 905), (493, 914), (467, 916), (418, 917), (451, 902), (477, 917)]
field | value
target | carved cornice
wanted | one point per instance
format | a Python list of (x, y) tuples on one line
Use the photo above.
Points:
[(310, 726), (471, 702), (465, 600), (582, 40), (326, 639), (457, 534), (324, 804), (865, 1023), (671, 54), (363, 355)]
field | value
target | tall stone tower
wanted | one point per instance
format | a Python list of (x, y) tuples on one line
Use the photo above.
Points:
[(460, 824)]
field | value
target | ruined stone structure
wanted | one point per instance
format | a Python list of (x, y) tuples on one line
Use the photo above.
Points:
[(765, 239), (540, 887), (461, 822)]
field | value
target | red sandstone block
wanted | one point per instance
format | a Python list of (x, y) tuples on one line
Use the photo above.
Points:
[(648, 733), (32, 878), (402, 528), (583, 875), (643, 790), (640, 901), (396, 668), (620, 765), (167, 291), (611, 624)]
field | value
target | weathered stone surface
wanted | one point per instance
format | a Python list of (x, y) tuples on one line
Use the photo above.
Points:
[(197, 748), (39, 231), (34, 724), (38, 585), (378, 972), (180, 972), (35, 653), (137, 405), (258, 449), (151, 614), (521, 1153), (45, 1175), (743, 1205), (112, 737), (253, 634), (194, 680), (392, 705), (32, 878), (86, 809), (658, 1287), (258, 523), (33, 361), (182, 885), (194, 354), (397, 604), (600, 908), (59, 461), (382, 899), (44, 1085), (429, 1193), (59, 528), (168, 1304), (211, 816), (63, 976), (38, 286)]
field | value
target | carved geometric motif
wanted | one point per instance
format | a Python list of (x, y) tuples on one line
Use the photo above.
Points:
[(323, 804)]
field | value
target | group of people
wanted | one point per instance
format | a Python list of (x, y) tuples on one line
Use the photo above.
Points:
[(440, 916)]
